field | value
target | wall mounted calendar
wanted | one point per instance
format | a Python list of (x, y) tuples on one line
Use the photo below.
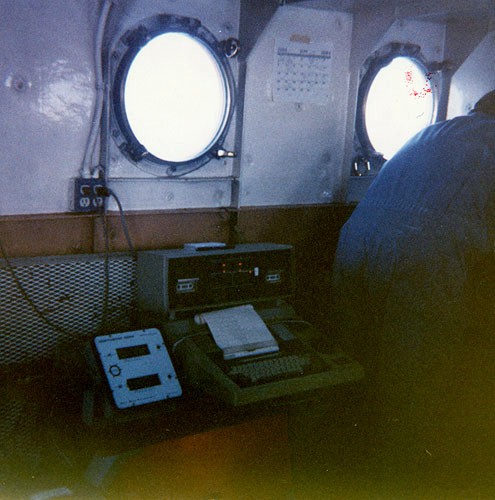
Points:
[(301, 72)]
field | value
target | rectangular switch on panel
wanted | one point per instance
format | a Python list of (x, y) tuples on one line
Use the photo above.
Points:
[(87, 195)]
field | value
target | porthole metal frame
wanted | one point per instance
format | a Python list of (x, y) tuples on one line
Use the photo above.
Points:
[(122, 57), (365, 153)]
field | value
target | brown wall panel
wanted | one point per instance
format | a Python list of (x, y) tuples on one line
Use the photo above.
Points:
[(40, 235), (313, 230), (150, 230)]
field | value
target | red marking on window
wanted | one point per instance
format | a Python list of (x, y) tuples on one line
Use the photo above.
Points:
[(414, 92)]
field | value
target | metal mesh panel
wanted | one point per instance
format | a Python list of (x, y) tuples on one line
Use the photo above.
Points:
[(70, 293)]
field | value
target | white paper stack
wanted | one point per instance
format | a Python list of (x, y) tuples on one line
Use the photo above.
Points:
[(239, 331)]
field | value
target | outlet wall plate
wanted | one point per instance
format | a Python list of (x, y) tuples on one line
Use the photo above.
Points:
[(86, 198)]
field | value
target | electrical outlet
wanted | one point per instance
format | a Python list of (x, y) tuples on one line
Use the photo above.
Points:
[(86, 197)]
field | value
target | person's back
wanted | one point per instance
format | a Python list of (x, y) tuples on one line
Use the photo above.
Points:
[(403, 282), (445, 173)]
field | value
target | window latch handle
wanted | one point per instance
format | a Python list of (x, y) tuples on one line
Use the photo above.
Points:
[(222, 153)]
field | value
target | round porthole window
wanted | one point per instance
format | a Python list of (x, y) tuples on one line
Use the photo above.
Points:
[(396, 100), (173, 95), (399, 104)]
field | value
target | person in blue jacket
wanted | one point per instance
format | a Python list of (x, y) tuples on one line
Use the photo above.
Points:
[(413, 285)]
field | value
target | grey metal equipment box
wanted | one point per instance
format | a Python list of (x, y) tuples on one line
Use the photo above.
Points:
[(190, 279)]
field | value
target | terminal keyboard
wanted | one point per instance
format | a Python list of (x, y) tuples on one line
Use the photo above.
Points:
[(266, 370)]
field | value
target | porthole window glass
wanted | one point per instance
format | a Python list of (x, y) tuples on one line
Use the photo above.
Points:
[(173, 94), (175, 97), (399, 103)]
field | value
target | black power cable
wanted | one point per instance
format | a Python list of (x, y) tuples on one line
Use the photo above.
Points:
[(107, 192)]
